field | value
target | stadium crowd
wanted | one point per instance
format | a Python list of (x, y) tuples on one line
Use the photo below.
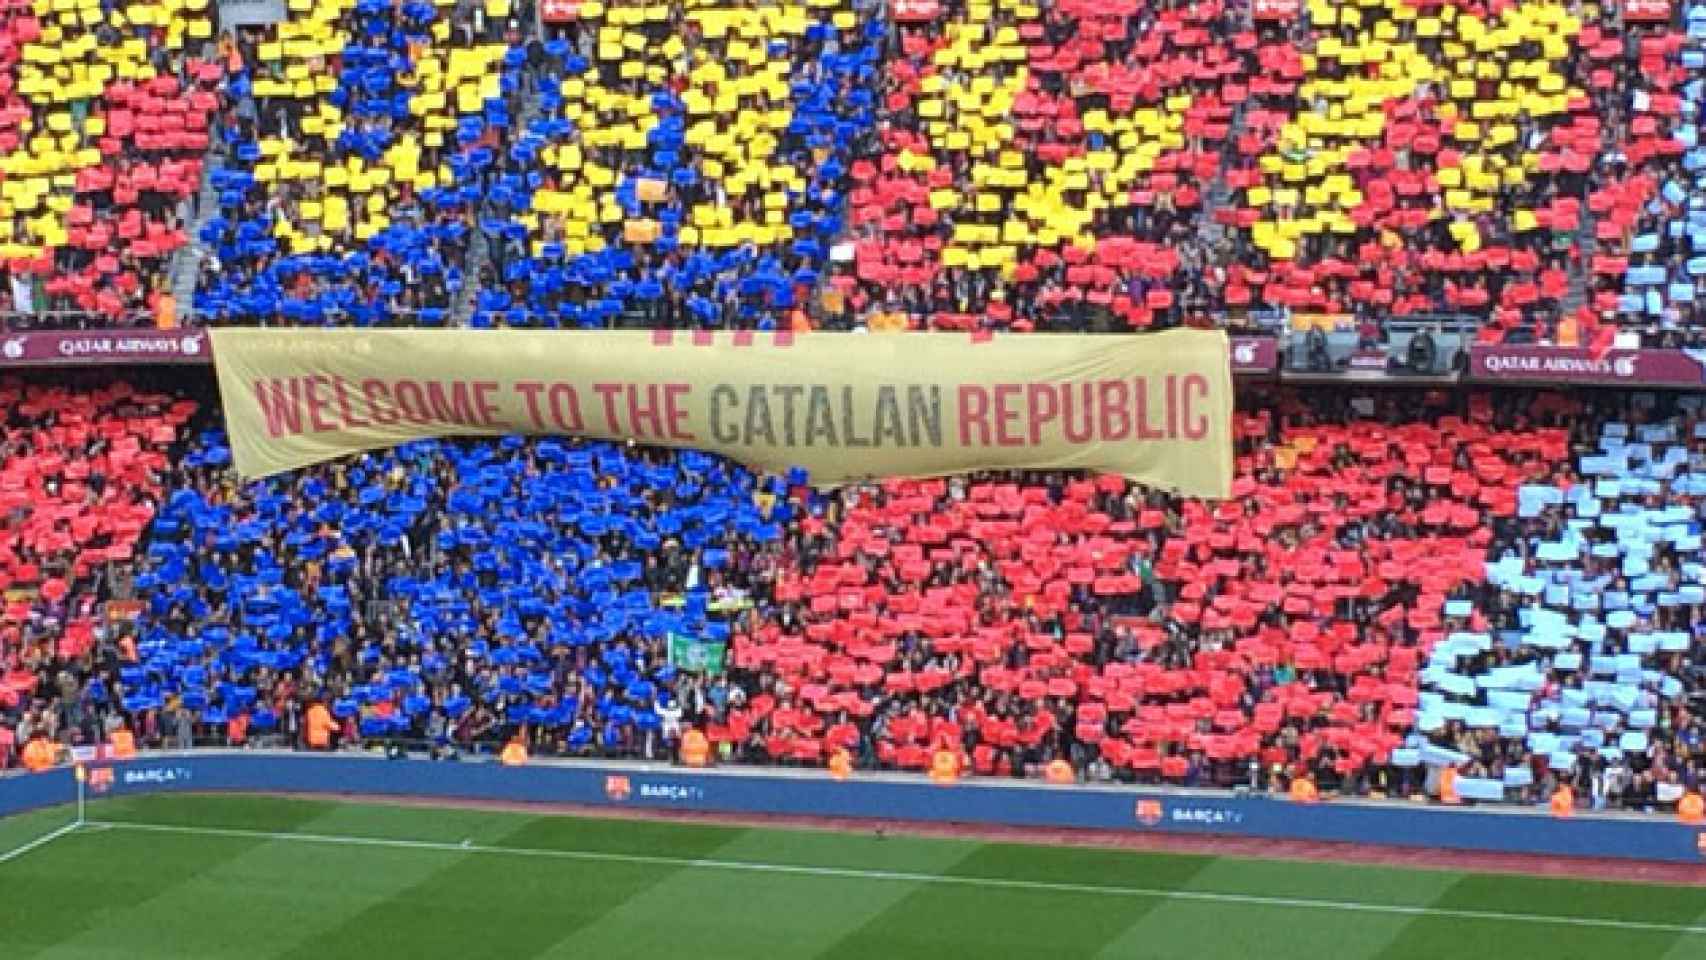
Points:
[(930, 164), (1407, 594), (1403, 584)]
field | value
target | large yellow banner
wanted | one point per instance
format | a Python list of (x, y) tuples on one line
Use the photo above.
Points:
[(845, 407)]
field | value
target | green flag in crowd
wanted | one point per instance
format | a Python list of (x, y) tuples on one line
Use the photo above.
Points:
[(697, 656)]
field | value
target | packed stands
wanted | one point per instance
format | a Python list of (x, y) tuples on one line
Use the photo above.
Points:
[(104, 118), (687, 167), (836, 164), (1172, 641), (1401, 582), (448, 592), (1582, 647), (1648, 217), (83, 473), (1046, 167), (361, 138), (1431, 165)]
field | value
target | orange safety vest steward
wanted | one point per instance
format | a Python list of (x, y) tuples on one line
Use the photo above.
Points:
[(38, 755), (514, 754), (945, 767), (1691, 808), (1563, 802), (320, 727), (1303, 791), (840, 765), (1448, 785), (695, 749), (124, 743), (1059, 771)]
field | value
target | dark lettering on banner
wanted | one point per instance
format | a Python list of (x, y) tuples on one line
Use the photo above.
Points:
[(723, 396), (999, 415), (854, 407)]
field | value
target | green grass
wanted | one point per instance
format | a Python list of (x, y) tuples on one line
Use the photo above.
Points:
[(258, 877)]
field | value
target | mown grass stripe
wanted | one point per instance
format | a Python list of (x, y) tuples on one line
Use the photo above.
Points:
[(939, 920), (75, 891), (765, 916), (987, 882)]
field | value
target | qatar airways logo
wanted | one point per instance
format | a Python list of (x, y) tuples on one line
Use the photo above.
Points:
[(1622, 367), (104, 345)]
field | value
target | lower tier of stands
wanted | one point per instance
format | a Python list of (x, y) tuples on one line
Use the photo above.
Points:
[(1401, 583)]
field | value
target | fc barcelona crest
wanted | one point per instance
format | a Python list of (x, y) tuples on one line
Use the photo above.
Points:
[(617, 788)]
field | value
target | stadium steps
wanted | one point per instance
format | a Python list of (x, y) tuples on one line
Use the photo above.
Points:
[(185, 270), (1580, 271), (479, 250), (1218, 193), (479, 255)]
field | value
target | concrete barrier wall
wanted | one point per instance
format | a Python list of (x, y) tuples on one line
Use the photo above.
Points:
[(1655, 837)]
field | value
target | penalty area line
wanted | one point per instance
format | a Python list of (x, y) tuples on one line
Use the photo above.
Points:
[(899, 876)]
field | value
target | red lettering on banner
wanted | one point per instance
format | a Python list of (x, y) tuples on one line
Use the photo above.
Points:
[(645, 417), (411, 402), (378, 397), (1042, 405), (1080, 428), (673, 412), (562, 395), (452, 404), (974, 411), (1196, 424), (344, 409), (608, 392), (282, 411), (1145, 429), (484, 405), (530, 391), (1006, 412), (317, 404), (1172, 406), (1113, 397), (563, 400)]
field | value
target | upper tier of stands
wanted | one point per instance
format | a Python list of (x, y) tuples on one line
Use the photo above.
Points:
[(932, 163), (104, 116)]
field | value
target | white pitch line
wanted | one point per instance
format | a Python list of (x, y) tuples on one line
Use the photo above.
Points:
[(897, 876), (40, 841)]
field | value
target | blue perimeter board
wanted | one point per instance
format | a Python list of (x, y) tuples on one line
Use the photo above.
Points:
[(1504, 830)]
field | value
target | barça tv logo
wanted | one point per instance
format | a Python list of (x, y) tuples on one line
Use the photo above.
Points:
[(617, 788), (1149, 812)]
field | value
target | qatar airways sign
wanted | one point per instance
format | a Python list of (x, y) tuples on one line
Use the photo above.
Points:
[(70, 347), (1253, 356), (1579, 365)]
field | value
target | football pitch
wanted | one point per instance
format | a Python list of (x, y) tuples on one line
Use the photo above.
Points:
[(251, 877)]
